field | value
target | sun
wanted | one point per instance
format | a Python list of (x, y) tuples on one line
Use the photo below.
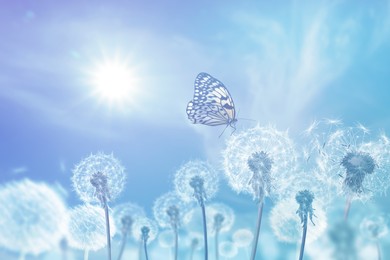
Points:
[(114, 82)]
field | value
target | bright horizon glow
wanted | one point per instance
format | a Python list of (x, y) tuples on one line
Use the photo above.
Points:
[(114, 82)]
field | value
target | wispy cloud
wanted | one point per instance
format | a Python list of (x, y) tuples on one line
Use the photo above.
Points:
[(292, 60), (19, 170)]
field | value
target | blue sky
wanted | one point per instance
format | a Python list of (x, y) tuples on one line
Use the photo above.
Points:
[(285, 63)]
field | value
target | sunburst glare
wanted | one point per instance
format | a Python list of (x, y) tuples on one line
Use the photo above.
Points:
[(114, 82)]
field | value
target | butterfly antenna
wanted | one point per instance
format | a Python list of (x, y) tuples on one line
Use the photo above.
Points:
[(247, 119), (223, 131), (238, 112)]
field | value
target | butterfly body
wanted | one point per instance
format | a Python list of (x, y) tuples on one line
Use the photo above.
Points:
[(212, 103)]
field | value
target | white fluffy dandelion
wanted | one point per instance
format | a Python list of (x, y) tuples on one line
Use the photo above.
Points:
[(228, 249), (259, 161), (186, 177), (221, 219), (124, 216), (242, 237), (145, 230), (169, 211), (87, 228), (99, 178), (33, 217), (287, 226), (197, 181), (85, 170), (351, 160), (374, 228), (265, 150)]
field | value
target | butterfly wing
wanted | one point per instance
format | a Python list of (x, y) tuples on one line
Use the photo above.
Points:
[(212, 104), (206, 114)]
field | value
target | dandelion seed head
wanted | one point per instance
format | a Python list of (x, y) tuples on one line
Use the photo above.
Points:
[(286, 224), (263, 149), (97, 176), (219, 217), (145, 228), (242, 237), (353, 161), (357, 165), (374, 227), (34, 218), (305, 199), (169, 210), (194, 240), (196, 180), (228, 249), (87, 228), (308, 180), (125, 214)]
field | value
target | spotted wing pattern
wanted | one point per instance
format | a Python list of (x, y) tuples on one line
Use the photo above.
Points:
[(212, 104)]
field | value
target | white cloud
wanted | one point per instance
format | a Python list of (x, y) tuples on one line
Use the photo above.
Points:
[(19, 170)]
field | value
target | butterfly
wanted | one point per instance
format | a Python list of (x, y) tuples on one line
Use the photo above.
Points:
[(212, 104)]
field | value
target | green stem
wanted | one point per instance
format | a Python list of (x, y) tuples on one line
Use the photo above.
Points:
[(303, 241), (256, 238)]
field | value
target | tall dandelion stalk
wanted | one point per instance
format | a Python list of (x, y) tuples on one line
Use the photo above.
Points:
[(260, 164), (257, 162), (197, 184), (124, 216), (196, 180), (218, 220), (374, 228), (99, 179), (169, 211), (304, 199), (145, 230)]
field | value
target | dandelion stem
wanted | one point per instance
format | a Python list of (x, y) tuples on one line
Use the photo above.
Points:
[(347, 208), (378, 248), (216, 244), (303, 241), (206, 253), (105, 205), (256, 240), (145, 249), (123, 244), (176, 242), (86, 254)]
